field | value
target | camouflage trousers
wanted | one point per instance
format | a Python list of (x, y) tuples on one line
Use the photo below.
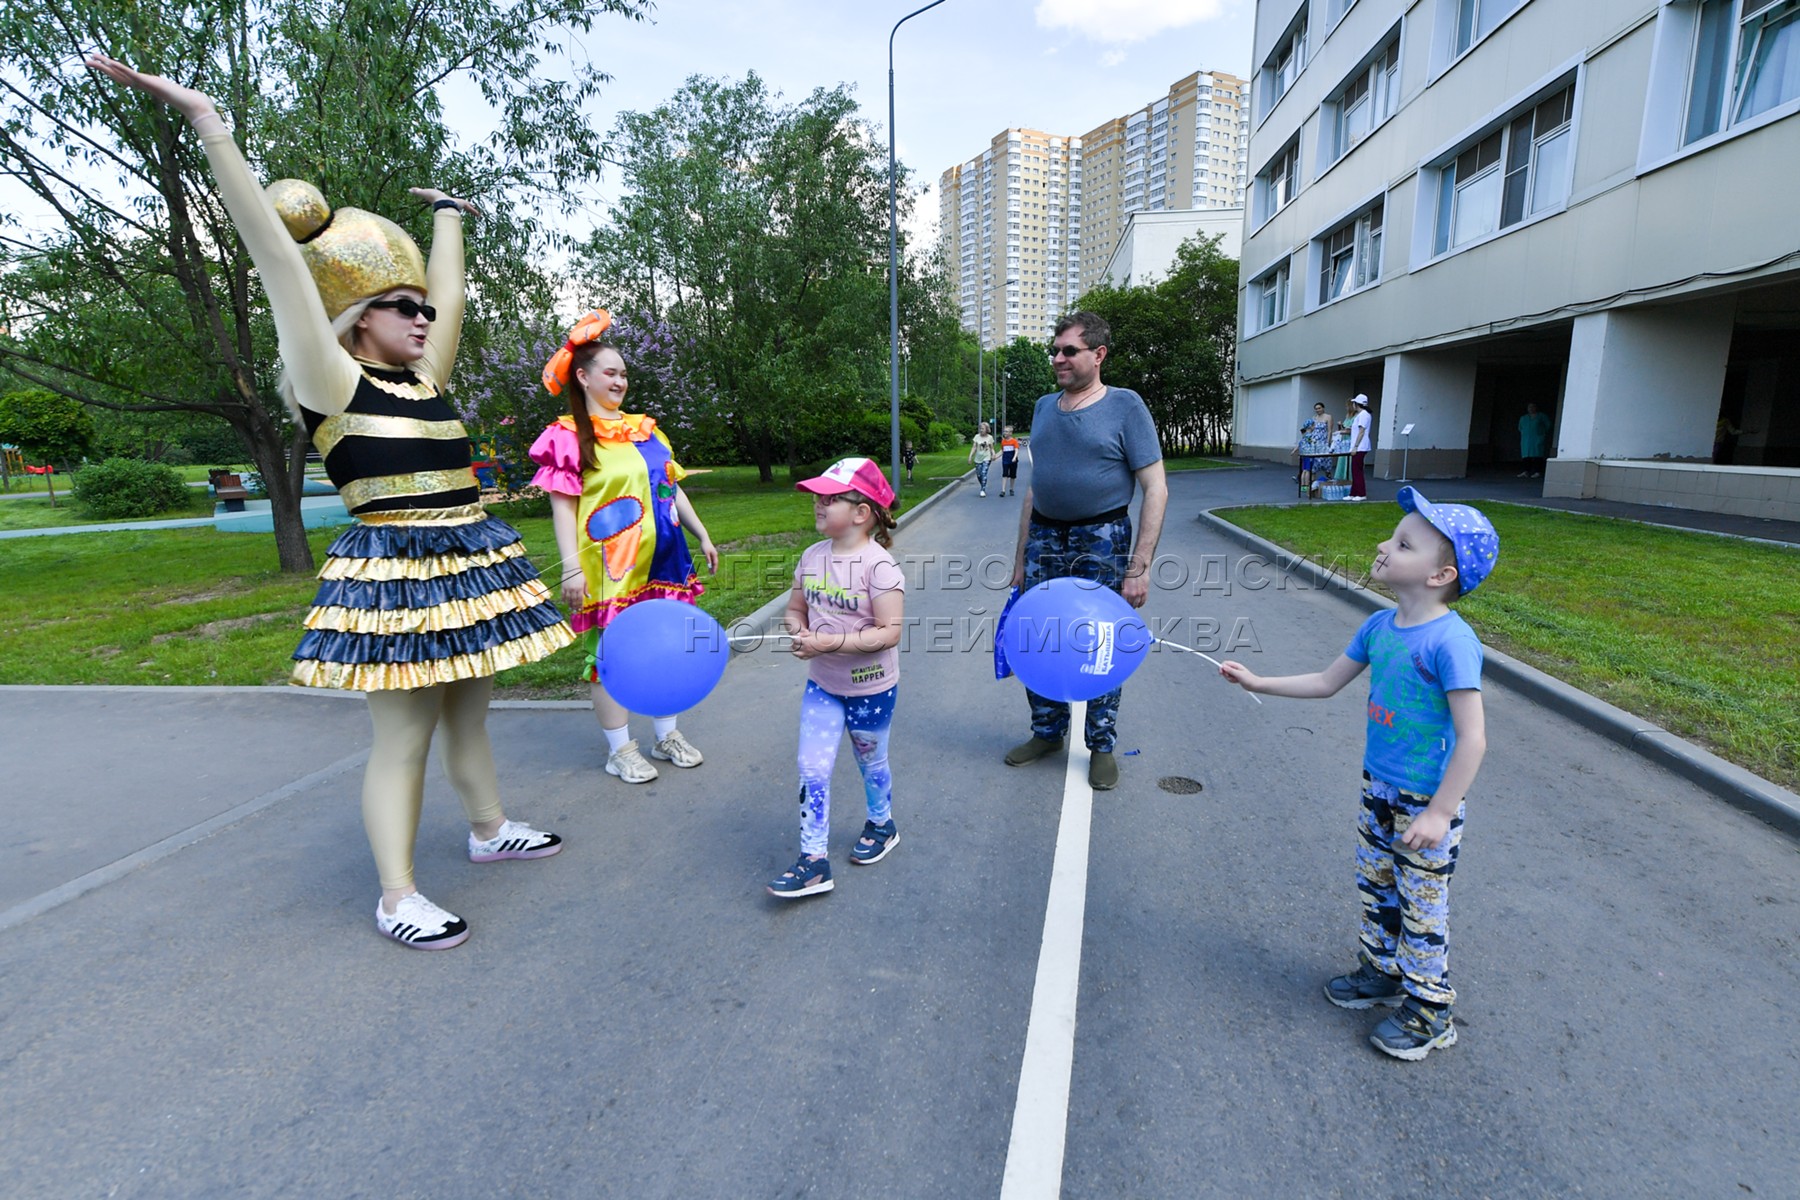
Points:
[(1405, 893), (1100, 552)]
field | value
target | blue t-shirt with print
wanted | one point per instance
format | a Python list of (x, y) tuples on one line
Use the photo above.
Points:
[(1410, 671)]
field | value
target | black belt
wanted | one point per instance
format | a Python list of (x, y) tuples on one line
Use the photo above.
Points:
[(1115, 514)]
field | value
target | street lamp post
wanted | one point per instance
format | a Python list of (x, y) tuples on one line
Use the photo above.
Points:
[(894, 264)]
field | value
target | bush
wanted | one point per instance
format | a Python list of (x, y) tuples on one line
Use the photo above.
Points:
[(941, 436), (119, 488)]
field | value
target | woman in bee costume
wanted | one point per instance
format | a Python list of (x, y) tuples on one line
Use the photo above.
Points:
[(425, 597)]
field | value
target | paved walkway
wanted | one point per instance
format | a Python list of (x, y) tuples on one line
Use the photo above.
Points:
[(195, 1003)]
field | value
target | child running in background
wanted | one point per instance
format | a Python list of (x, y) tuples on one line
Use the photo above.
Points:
[(845, 618), (910, 457), (1426, 739)]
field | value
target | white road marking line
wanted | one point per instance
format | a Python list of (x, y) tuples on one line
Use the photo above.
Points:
[(1034, 1156), (81, 885)]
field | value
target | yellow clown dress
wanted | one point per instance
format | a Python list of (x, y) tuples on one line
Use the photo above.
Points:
[(628, 535)]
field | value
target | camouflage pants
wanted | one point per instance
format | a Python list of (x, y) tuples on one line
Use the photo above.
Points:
[(1405, 893), (1099, 552)]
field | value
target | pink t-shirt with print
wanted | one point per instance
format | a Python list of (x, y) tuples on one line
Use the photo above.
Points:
[(840, 593)]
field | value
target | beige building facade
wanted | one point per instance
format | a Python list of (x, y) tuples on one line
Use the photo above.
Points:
[(1187, 149), (1027, 225), (1010, 219), (1464, 207)]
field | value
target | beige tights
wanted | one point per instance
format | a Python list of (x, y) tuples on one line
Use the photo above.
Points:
[(394, 784)]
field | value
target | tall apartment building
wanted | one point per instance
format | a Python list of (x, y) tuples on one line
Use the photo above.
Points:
[(1011, 223), (1185, 150), (1462, 207), (1028, 227)]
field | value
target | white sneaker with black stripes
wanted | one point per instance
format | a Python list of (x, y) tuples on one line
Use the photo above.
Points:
[(514, 840), (419, 923)]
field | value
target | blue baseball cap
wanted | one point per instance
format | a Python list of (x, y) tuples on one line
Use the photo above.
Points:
[(1471, 534)]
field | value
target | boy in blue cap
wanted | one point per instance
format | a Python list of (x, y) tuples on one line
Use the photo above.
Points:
[(1426, 739)]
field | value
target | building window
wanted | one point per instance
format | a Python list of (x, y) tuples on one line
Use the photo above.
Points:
[(1518, 169), (1475, 19), (1335, 10), (1284, 65), (1350, 255), (1371, 96), (1746, 61), (1269, 291), (1280, 180)]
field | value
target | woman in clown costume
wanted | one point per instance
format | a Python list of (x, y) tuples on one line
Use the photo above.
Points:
[(615, 495), (425, 597)]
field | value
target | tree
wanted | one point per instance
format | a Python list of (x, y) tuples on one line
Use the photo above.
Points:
[(45, 426), (939, 354), (1174, 342), (755, 229), (1028, 374), (141, 297), (502, 397)]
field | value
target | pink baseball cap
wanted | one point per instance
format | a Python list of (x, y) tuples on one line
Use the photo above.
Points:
[(852, 475)]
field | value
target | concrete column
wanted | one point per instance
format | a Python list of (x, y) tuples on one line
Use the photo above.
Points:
[(1644, 381), (1434, 392)]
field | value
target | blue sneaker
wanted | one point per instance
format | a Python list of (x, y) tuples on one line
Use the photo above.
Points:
[(1365, 987), (807, 877), (875, 842), (1415, 1031)]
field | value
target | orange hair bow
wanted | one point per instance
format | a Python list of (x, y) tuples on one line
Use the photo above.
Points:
[(588, 329)]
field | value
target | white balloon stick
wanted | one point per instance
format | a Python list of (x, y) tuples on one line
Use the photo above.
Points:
[(1209, 658)]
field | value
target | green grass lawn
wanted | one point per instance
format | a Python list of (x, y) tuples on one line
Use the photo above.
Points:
[(1196, 462), (1694, 632), (195, 606)]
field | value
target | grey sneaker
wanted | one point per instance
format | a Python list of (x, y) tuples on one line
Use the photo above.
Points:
[(1103, 771), (1031, 750), (1415, 1031), (678, 750), (1365, 987), (629, 765)]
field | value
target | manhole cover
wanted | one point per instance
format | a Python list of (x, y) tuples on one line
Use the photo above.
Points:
[(1179, 785)]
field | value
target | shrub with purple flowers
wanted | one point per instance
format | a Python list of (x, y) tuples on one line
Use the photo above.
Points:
[(501, 396)]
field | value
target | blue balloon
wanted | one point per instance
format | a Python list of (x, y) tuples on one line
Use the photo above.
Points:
[(1074, 639), (661, 657)]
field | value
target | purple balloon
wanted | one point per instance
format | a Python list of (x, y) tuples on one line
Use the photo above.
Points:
[(1073, 639), (661, 657)]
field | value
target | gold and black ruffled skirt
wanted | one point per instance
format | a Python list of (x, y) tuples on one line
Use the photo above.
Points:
[(413, 599)]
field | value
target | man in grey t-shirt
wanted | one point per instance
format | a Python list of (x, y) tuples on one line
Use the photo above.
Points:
[(1092, 447)]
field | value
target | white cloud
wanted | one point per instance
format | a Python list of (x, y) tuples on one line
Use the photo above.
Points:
[(1112, 58), (1124, 21)]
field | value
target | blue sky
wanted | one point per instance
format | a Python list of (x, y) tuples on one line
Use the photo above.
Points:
[(963, 71)]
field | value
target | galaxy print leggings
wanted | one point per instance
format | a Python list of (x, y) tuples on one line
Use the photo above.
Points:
[(823, 719), (1405, 893)]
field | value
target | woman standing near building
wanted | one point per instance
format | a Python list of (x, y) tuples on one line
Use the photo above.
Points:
[(1360, 445)]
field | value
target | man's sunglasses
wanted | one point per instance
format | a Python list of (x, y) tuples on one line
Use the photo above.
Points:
[(1068, 351), (407, 307)]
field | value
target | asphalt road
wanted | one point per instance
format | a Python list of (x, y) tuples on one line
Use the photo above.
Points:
[(635, 1017)]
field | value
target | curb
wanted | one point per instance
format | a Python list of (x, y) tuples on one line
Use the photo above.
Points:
[(1728, 781)]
